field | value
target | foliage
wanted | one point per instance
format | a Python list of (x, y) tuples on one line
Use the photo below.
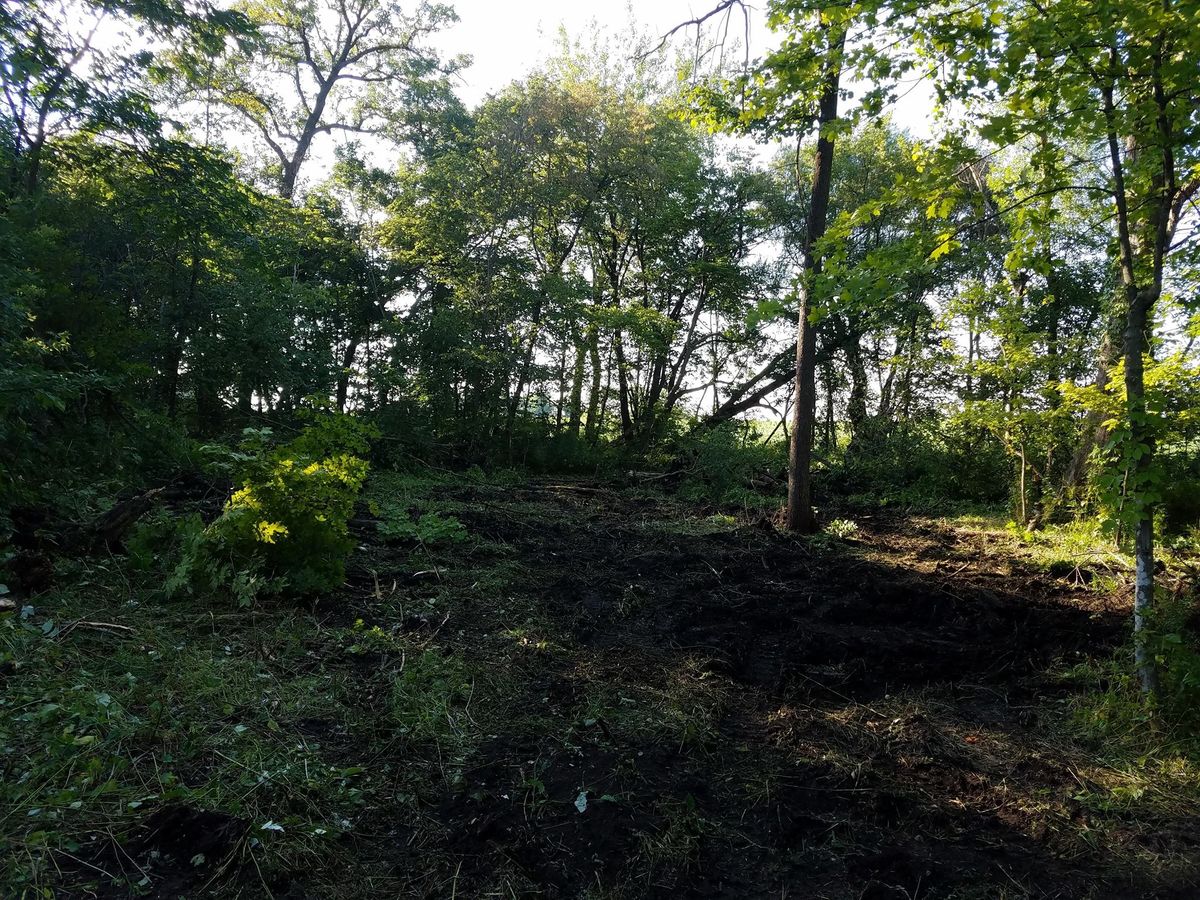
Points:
[(731, 466), (842, 529), (1114, 713), (285, 529), (924, 465), (430, 697), (576, 276), (429, 528)]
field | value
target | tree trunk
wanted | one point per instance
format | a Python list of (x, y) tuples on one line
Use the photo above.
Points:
[(577, 390), (343, 379), (170, 388), (799, 510), (1094, 434), (244, 398), (856, 406), (1139, 436), (623, 388), (1138, 305), (562, 389), (593, 415)]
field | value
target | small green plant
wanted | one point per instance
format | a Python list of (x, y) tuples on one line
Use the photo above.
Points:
[(372, 638), (158, 540), (285, 529), (430, 697), (431, 528), (842, 529)]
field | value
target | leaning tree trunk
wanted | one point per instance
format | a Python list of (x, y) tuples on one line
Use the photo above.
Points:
[(799, 509)]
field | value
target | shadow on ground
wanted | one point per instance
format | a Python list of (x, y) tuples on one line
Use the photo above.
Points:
[(663, 705)]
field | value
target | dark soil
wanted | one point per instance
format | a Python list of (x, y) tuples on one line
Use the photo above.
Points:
[(664, 707)]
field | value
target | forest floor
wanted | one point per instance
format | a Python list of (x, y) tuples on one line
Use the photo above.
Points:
[(598, 692)]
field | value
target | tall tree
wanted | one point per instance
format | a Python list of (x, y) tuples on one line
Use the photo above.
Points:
[(324, 66), (69, 66), (794, 90), (1121, 76)]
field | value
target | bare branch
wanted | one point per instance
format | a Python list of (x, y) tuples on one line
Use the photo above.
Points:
[(726, 6)]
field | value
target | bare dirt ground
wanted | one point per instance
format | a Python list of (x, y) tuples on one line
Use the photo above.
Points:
[(662, 704)]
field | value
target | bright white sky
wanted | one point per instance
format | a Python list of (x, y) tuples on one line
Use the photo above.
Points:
[(507, 39)]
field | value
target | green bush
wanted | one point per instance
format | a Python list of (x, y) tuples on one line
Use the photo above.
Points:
[(285, 530), (731, 465), (930, 464)]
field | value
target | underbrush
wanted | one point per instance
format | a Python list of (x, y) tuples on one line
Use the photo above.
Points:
[(936, 467), (1081, 552), (119, 704), (450, 707), (730, 466), (285, 529), (1150, 749), (934, 470)]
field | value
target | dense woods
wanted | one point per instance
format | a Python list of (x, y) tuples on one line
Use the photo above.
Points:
[(250, 250)]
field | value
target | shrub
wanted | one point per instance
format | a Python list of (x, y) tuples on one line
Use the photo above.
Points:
[(731, 465), (430, 528), (285, 530), (926, 464)]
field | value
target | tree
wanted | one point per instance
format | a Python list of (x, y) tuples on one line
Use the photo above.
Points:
[(1118, 75), (794, 89), (66, 67), (324, 66)]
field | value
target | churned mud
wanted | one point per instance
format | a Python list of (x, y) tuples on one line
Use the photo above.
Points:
[(648, 702)]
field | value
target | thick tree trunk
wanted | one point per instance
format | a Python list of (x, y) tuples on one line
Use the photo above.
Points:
[(799, 511)]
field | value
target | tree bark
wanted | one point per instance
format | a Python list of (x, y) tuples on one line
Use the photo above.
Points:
[(1135, 393), (799, 509), (577, 390), (1139, 304), (343, 379)]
